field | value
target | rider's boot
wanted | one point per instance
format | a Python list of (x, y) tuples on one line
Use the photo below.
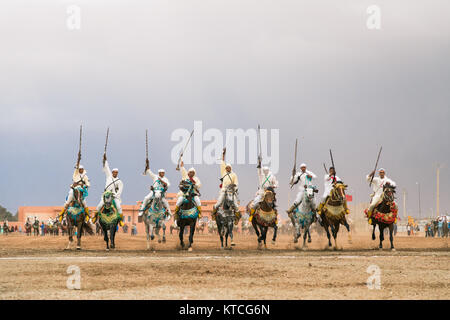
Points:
[(61, 214), (213, 213), (238, 216), (86, 217), (252, 212), (121, 220), (199, 208), (94, 219), (347, 211), (175, 213)]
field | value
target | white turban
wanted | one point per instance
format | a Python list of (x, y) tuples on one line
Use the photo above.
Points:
[(228, 165), (191, 170), (303, 165), (382, 169), (115, 169), (80, 167), (161, 171), (266, 169)]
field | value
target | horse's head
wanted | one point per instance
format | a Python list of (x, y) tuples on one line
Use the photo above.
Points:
[(338, 192), (108, 198), (309, 192), (230, 191), (388, 192), (269, 196), (78, 195)]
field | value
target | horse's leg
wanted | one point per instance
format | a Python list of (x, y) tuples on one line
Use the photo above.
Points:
[(219, 229), (305, 234), (112, 236), (164, 233), (373, 232), (297, 231), (255, 227), (264, 233), (391, 237), (147, 231), (70, 228), (381, 228), (325, 225), (309, 233), (346, 225), (275, 231), (79, 233), (231, 226), (191, 234), (181, 233), (105, 237), (335, 231)]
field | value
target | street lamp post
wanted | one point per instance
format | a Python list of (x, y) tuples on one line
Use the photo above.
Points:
[(420, 210)]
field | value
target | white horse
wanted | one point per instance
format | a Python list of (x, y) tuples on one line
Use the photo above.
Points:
[(155, 217), (304, 215)]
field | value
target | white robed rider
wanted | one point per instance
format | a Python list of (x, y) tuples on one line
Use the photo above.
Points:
[(191, 176), (304, 178), (266, 180), (114, 185), (79, 179), (228, 177), (329, 180), (377, 186), (159, 180)]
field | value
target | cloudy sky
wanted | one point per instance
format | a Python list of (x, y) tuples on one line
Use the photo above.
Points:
[(311, 69)]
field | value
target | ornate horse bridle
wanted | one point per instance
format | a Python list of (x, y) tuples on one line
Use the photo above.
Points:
[(337, 196)]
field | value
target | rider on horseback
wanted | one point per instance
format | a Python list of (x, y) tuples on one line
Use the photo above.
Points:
[(114, 185), (305, 178), (330, 181), (159, 181), (267, 181), (377, 185), (228, 179), (192, 185), (80, 180)]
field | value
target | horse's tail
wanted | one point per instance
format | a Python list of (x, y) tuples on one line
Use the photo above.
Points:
[(88, 228)]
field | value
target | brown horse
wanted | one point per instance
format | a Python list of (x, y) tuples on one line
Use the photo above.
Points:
[(333, 212), (76, 218), (385, 215), (263, 217)]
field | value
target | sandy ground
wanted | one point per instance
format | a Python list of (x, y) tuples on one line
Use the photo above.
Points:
[(36, 268)]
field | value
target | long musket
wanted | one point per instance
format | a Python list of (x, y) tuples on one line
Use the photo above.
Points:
[(146, 151), (106, 143), (332, 164), (294, 170), (79, 148), (259, 145), (376, 165), (182, 152)]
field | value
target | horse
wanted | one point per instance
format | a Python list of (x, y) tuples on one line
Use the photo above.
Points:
[(333, 213), (76, 216), (28, 227), (304, 215), (264, 216), (384, 215), (226, 218), (155, 215), (5, 229), (36, 227), (188, 213), (108, 218)]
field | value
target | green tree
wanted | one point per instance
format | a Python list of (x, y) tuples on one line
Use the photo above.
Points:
[(5, 214)]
